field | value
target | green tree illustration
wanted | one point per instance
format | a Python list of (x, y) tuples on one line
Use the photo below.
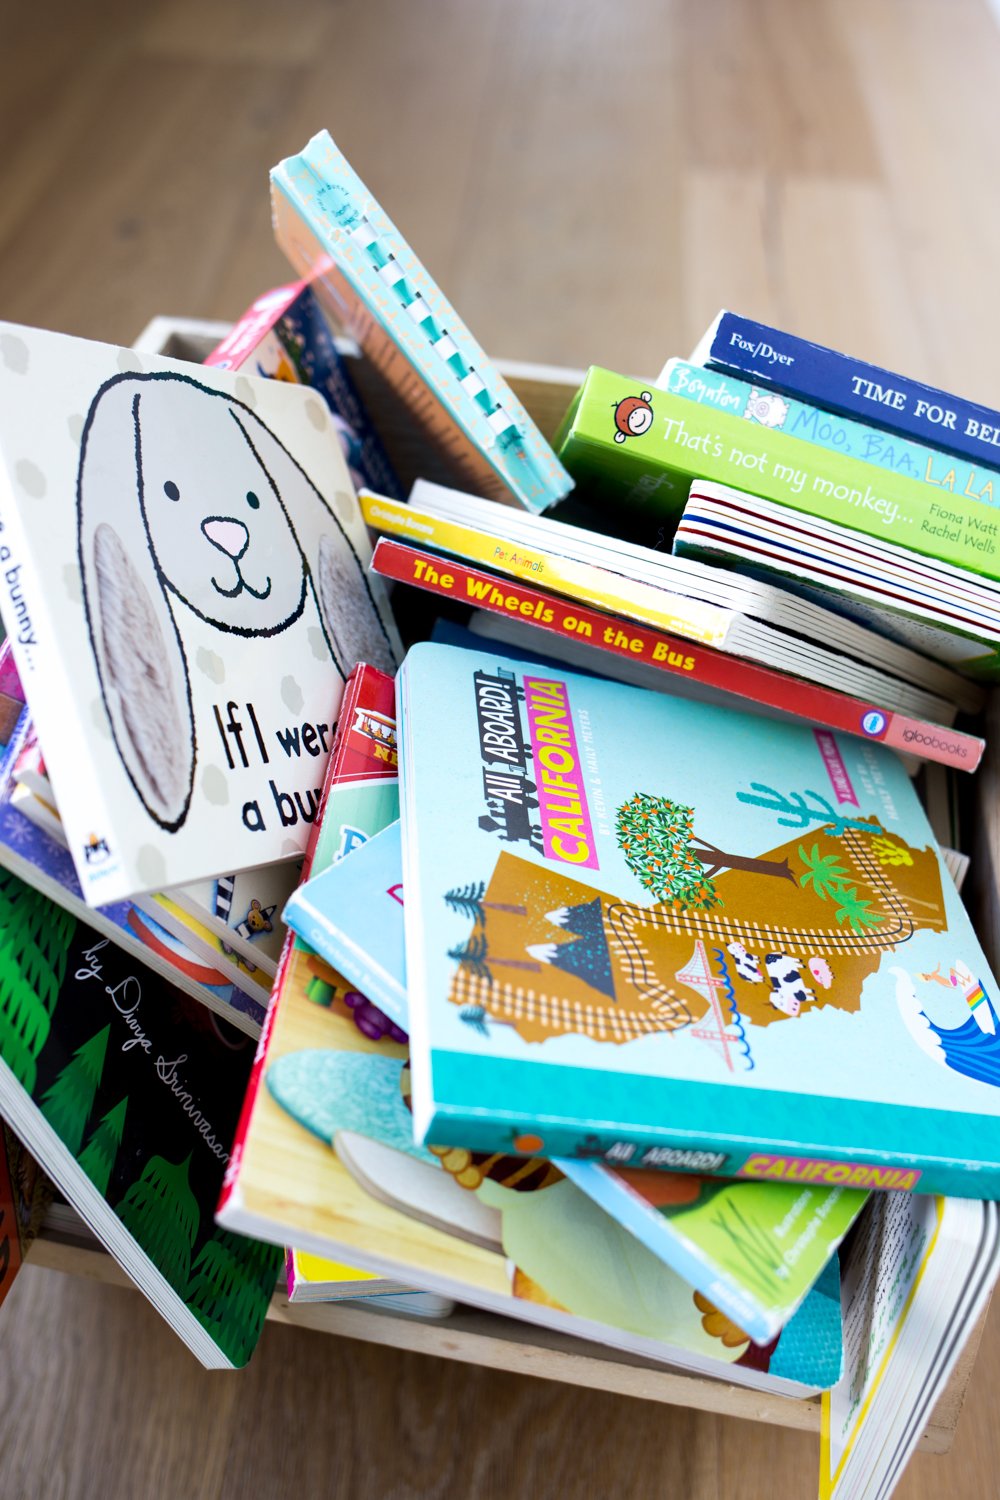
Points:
[(161, 1211), (855, 912), (98, 1156), (824, 872), (232, 1281), (469, 901), (34, 951), (672, 861), (67, 1103)]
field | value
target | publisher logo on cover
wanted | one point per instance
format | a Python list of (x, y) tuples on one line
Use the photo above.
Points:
[(874, 722)]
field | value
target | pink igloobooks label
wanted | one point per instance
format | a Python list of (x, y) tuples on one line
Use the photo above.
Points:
[(932, 742), (562, 801)]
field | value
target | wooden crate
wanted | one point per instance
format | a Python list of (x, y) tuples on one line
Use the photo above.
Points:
[(487, 1339)]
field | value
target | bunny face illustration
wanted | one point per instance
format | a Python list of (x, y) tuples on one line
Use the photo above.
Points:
[(220, 534), (188, 505)]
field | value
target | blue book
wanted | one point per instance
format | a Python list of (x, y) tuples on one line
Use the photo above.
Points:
[(656, 932), (852, 386), (825, 429), (352, 915)]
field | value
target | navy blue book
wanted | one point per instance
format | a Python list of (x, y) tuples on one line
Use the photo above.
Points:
[(851, 386)]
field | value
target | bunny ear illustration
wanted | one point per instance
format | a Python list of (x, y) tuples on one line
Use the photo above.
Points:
[(136, 645), (353, 624)]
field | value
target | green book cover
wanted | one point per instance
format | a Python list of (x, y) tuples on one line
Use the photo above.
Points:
[(637, 449), (127, 1092)]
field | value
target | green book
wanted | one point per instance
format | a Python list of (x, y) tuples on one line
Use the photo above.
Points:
[(636, 450)]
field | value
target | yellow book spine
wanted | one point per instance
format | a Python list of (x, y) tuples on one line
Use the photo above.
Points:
[(693, 619)]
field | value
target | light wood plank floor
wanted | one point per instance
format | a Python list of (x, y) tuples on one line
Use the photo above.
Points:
[(590, 182)]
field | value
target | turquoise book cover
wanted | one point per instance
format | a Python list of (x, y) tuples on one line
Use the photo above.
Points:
[(352, 915), (660, 933)]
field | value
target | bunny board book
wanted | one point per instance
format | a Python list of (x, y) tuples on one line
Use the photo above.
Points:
[(127, 1094), (366, 275), (183, 569), (662, 933)]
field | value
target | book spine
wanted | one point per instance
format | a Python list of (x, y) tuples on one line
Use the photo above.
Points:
[(856, 388), (365, 685), (827, 429), (691, 618), (41, 669), (338, 210), (672, 655), (688, 442), (712, 1156)]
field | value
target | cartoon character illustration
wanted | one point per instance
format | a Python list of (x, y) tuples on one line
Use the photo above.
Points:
[(256, 921), (747, 964), (187, 510), (766, 408), (973, 1048), (788, 991), (821, 971), (633, 416)]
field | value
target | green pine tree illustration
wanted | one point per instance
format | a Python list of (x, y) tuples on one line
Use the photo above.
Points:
[(232, 1281), (68, 1102), (98, 1156), (162, 1212), (34, 950)]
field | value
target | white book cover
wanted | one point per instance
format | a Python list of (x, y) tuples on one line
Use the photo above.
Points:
[(183, 578)]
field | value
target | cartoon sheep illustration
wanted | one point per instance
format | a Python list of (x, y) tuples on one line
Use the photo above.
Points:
[(188, 506)]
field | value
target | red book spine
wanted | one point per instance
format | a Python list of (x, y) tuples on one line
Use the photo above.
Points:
[(353, 758), (451, 579)]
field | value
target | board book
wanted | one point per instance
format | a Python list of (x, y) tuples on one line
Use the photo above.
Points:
[(706, 605), (284, 335), (33, 848), (813, 424), (753, 1249), (127, 1093), (240, 911), (947, 612), (185, 589), (25, 1194), (351, 916), (499, 1233), (312, 1278), (334, 231), (594, 970), (644, 476), (681, 663), (852, 386)]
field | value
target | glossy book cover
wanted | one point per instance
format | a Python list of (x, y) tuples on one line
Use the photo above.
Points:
[(662, 933), (183, 569)]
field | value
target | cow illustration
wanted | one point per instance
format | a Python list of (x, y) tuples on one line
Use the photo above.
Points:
[(789, 991)]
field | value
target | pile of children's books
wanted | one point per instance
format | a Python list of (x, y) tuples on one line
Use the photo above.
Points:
[(587, 876)]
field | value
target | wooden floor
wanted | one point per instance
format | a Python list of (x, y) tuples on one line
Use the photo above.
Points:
[(590, 181)]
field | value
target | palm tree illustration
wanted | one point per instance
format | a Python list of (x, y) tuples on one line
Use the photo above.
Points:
[(468, 900)]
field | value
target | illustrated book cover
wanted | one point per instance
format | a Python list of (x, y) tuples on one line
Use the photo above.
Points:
[(127, 1093), (753, 1249), (662, 933), (366, 275), (351, 914), (184, 583), (327, 1162)]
